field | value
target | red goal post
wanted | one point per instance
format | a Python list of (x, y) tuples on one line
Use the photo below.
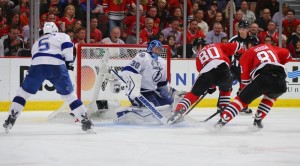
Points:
[(113, 55)]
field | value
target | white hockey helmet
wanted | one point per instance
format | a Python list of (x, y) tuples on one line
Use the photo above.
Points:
[(50, 27)]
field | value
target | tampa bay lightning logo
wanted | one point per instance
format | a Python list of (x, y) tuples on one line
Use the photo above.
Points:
[(142, 54), (156, 75)]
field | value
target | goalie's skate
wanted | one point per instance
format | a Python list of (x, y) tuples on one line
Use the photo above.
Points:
[(176, 115), (8, 124)]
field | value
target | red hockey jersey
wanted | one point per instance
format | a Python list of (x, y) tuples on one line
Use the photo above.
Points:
[(213, 55), (257, 57)]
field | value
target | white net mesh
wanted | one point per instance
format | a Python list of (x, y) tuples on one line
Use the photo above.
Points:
[(93, 78)]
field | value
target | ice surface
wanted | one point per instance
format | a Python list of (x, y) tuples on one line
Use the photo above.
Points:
[(34, 141)]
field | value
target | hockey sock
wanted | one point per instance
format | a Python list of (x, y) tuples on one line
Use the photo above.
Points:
[(76, 105), (187, 101), (18, 102), (232, 109), (264, 107), (224, 99)]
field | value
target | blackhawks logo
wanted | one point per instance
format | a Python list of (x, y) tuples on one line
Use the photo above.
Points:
[(118, 2)]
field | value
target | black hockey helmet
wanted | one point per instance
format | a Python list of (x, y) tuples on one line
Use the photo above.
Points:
[(199, 41), (252, 40), (243, 24)]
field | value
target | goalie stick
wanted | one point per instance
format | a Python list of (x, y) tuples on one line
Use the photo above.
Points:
[(146, 103)]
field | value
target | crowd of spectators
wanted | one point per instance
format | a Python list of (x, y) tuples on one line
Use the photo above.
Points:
[(114, 21)]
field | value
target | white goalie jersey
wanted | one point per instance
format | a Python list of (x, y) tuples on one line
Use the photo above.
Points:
[(152, 71)]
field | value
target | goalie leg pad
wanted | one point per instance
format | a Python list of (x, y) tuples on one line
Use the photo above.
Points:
[(140, 115)]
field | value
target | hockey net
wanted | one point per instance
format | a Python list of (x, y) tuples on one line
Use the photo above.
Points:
[(93, 78)]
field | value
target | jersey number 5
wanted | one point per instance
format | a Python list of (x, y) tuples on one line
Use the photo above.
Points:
[(44, 44)]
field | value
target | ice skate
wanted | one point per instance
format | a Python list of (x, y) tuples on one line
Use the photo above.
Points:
[(220, 124), (87, 125), (176, 115), (258, 124), (246, 111), (8, 124)]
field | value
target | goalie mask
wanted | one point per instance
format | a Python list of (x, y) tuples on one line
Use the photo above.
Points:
[(154, 52), (49, 27)]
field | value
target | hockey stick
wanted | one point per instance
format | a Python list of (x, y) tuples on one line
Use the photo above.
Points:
[(175, 116), (213, 115), (146, 103), (197, 102)]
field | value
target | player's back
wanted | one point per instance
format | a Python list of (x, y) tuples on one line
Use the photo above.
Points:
[(218, 52), (52, 49), (257, 57), (260, 54)]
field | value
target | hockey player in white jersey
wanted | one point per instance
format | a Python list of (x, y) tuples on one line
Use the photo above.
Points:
[(52, 56), (152, 70)]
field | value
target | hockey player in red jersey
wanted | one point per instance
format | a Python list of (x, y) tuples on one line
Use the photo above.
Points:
[(262, 73), (213, 64)]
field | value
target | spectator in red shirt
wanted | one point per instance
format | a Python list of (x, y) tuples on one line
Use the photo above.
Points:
[(53, 9), (177, 13), (238, 17), (193, 32), (3, 24), (80, 36), (290, 23), (152, 13), (77, 25), (148, 31), (95, 34), (68, 19), (130, 23), (270, 32)]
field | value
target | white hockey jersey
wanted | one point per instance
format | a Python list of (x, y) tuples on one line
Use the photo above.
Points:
[(152, 71), (52, 49)]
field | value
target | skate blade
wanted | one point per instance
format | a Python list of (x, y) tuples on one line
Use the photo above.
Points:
[(175, 118), (255, 128), (7, 129), (91, 131)]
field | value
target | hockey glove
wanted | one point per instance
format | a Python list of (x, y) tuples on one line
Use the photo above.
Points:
[(211, 90), (69, 65), (239, 53)]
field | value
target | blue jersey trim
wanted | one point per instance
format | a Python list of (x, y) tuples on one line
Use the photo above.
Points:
[(75, 104), (129, 68), (66, 45), (19, 100), (58, 56)]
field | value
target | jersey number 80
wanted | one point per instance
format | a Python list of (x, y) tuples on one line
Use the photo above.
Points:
[(208, 54)]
